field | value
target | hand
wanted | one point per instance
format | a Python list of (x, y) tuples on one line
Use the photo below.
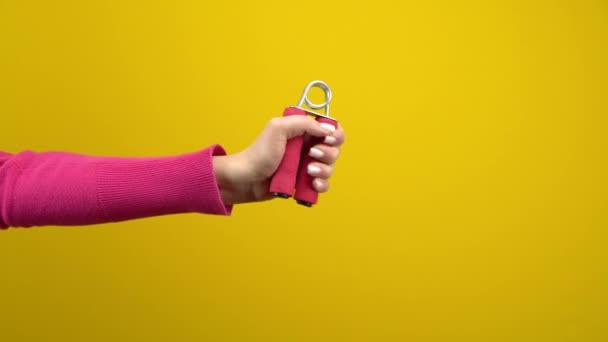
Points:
[(245, 176)]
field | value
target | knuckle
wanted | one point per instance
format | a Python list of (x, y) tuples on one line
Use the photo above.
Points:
[(329, 170), (275, 123), (325, 186), (334, 153)]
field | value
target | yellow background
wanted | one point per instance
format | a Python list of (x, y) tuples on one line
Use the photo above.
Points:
[(470, 202)]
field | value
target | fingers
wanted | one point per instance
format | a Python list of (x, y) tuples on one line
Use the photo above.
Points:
[(320, 170), (336, 138), (295, 125), (321, 185), (324, 153)]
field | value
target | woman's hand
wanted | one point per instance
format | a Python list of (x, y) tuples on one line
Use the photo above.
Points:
[(245, 176)]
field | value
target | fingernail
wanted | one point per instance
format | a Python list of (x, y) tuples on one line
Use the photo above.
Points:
[(330, 140), (315, 153), (318, 184), (328, 127), (313, 170)]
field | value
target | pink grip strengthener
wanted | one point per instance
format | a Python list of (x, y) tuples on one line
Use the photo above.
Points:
[(292, 178)]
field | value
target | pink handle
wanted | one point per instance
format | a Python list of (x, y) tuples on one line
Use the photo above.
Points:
[(305, 193), (284, 179)]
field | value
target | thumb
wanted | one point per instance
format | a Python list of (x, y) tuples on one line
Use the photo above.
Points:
[(295, 125)]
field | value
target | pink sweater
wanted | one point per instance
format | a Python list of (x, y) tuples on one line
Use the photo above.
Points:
[(62, 188)]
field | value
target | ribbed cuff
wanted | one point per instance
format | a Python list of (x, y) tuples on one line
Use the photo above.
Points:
[(131, 188)]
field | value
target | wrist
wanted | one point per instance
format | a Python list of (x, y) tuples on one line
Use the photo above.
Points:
[(220, 170), (231, 178)]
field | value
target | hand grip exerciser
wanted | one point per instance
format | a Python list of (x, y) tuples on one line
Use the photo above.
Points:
[(292, 178)]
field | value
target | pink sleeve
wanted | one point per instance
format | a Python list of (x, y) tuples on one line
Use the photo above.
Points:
[(62, 188)]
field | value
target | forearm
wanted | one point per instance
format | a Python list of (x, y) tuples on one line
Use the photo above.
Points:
[(60, 188)]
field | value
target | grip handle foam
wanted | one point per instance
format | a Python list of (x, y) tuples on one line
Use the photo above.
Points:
[(305, 193), (283, 181)]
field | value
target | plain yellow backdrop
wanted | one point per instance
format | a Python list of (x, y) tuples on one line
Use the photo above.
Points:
[(470, 202)]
